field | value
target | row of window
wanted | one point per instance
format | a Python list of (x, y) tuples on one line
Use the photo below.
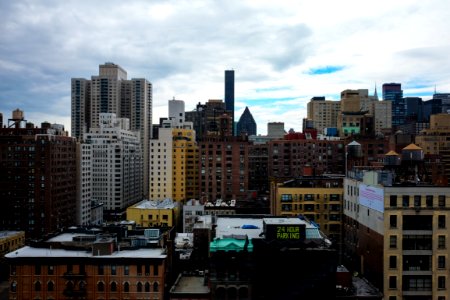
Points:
[(417, 200), (417, 262), (417, 242), (100, 269), (410, 224), (113, 286), (417, 283), (309, 197)]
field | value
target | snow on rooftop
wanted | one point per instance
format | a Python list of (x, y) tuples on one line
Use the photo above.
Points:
[(233, 226), (67, 237), (9, 233), (153, 204), (28, 251)]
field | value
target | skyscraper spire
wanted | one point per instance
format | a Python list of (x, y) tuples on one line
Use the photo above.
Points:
[(375, 94)]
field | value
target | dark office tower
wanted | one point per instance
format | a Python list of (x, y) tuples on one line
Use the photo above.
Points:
[(440, 103), (229, 92), (393, 92), (210, 119), (1, 120), (414, 106), (246, 124), (37, 178)]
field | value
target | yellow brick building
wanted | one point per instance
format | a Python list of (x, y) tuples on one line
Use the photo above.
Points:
[(319, 198), (154, 213), (435, 140), (173, 165)]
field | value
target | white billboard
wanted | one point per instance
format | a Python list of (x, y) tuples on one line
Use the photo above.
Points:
[(371, 197)]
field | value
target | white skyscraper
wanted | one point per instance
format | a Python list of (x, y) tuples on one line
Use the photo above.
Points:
[(115, 164)]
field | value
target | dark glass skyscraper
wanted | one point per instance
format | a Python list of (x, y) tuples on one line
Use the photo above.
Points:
[(229, 92), (246, 123), (393, 92)]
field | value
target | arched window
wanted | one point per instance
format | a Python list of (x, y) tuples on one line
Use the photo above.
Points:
[(82, 285), (155, 287), (126, 287), (13, 286), (139, 287), (100, 286), (69, 285), (37, 286), (113, 286), (147, 287), (50, 286)]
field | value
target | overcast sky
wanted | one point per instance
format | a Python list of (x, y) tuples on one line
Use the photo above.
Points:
[(283, 52)]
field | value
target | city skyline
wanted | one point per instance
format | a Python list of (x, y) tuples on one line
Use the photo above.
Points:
[(282, 54)]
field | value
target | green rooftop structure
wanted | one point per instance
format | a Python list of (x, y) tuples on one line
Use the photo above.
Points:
[(231, 244)]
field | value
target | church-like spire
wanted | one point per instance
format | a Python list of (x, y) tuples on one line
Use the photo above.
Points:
[(375, 94)]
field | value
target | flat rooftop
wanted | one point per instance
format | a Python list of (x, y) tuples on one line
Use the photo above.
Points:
[(31, 252), (190, 285)]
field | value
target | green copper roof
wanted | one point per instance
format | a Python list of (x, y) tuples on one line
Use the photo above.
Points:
[(230, 244)]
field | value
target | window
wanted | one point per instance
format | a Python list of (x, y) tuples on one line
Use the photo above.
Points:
[(441, 297), (392, 262), (393, 221), (441, 242), (393, 241), (405, 201), (392, 282), (441, 221), (50, 270), (100, 286), (155, 287), (417, 201), (139, 287), (37, 286), (286, 197), (113, 270), (393, 200), (441, 201), (126, 287), (441, 262), (37, 270), (392, 297), (429, 201), (155, 270), (13, 287), (126, 270), (139, 269), (50, 286), (101, 269), (147, 270), (147, 287), (113, 286), (441, 282)]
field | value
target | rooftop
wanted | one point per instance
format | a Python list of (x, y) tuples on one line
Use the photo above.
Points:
[(27, 252), (6, 234), (190, 285)]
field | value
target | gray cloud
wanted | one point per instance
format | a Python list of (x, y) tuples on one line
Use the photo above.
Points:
[(184, 46)]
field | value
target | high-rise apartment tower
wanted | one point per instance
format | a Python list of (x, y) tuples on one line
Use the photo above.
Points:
[(112, 92)]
